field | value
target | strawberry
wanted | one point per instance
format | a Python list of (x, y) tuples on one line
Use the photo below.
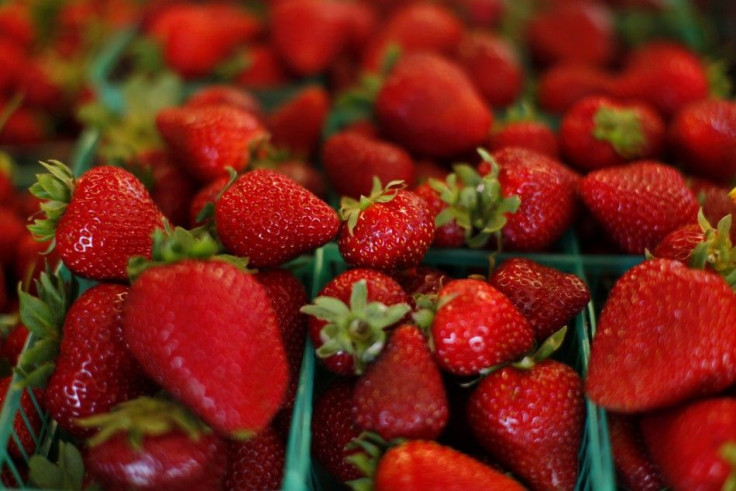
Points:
[(600, 132), (588, 39), (565, 84), (305, 175), (493, 65), (413, 28), (228, 95), (26, 423), (31, 258), (179, 355), (261, 68), (679, 243), (12, 229), (714, 200), (631, 367), (475, 327), (94, 370), (16, 25), (419, 464), (24, 126), (421, 280), (638, 204), (666, 75), (405, 366), (532, 135), (531, 420), (296, 125), (166, 448), (40, 87), (308, 35), (390, 229), (481, 13), (98, 221), (548, 298), (206, 195), (333, 428), (350, 335), (270, 219), (206, 140), (351, 161), (428, 169), (702, 136), (634, 466), (412, 107), (287, 296), (14, 343), (689, 443), (255, 464)]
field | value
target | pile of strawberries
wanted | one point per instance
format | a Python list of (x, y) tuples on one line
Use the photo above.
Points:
[(248, 138)]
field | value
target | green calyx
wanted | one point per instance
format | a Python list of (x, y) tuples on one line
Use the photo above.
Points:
[(357, 329), (427, 306), (171, 246), (475, 202), (719, 82), (369, 447), (66, 473), (55, 190), (350, 208), (545, 350), (621, 128), (43, 315), (728, 453), (716, 250), (141, 417)]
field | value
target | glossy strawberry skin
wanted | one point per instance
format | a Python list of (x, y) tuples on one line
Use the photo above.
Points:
[(381, 288), (206, 140), (581, 148), (563, 85), (94, 369), (631, 367), (638, 204), (413, 108), (703, 138), (246, 387), (206, 194), (333, 428), (263, 68), (685, 442), (270, 219), (548, 198), (296, 126), (418, 465), (533, 135), (389, 236), (380, 401), (351, 160), (478, 328), (109, 219), (532, 422), (255, 464), (548, 298), (679, 243), (171, 461), (228, 95), (448, 235), (634, 466)]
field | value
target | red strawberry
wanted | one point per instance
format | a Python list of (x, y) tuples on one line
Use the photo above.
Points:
[(14, 343), (414, 109), (235, 386), (422, 280), (367, 336), (41, 90), (634, 467), (167, 449), (428, 169), (477, 327), (390, 229), (309, 35), (28, 431), (99, 220), (482, 13), (31, 259), (206, 140), (351, 161), (24, 126), (296, 125), (532, 135), (531, 420), (12, 229), (600, 132), (679, 243), (270, 219), (228, 95), (413, 28), (419, 465), (688, 442), (493, 65), (573, 32), (94, 369), (631, 367), (262, 68), (638, 204), (255, 464), (448, 234), (207, 194), (548, 298), (563, 85), (11, 64), (714, 200), (303, 174), (703, 137), (16, 25), (380, 401), (333, 428), (666, 75)]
